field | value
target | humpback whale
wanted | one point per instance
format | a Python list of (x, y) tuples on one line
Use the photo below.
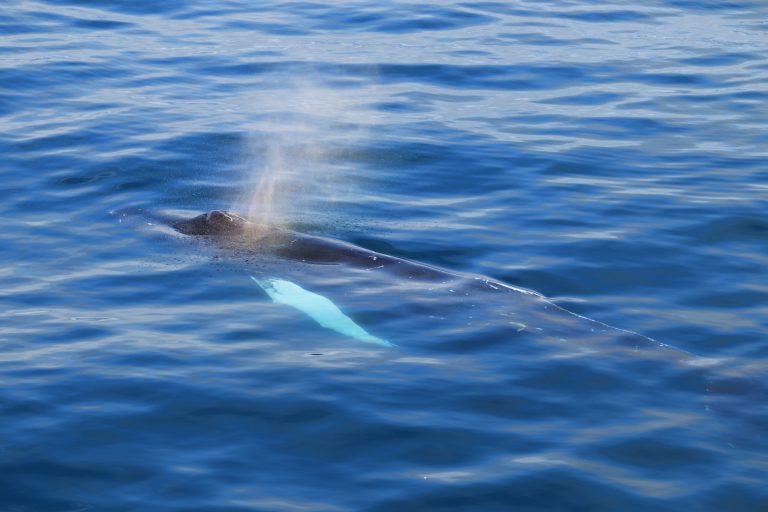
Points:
[(244, 237), (451, 298)]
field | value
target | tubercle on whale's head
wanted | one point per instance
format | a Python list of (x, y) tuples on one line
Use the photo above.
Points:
[(213, 223)]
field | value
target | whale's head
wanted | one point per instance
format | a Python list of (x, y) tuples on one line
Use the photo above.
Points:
[(214, 223)]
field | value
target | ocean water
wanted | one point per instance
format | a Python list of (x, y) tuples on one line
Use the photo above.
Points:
[(612, 156)]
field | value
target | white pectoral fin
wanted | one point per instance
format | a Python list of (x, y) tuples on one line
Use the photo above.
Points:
[(318, 308)]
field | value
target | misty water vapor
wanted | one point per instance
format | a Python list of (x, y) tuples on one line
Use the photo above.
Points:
[(294, 155)]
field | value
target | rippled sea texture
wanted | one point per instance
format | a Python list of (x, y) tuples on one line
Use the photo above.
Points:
[(611, 155)]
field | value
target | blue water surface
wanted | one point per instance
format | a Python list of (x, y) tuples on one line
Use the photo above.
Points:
[(610, 155)]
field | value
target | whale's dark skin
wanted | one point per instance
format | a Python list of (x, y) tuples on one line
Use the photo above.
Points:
[(237, 232)]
